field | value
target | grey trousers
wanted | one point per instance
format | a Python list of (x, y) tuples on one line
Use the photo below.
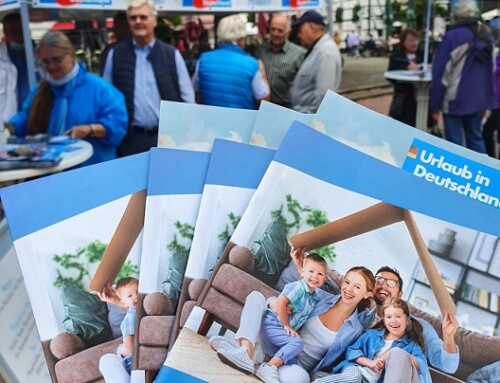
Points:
[(399, 368)]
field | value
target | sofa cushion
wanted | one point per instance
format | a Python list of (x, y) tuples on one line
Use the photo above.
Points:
[(155, 330), (237, 284), (242, 258), (195, 288), (66, 344), (151, 358), (84, 366), (85, 314), (271, 252), (157, 303)]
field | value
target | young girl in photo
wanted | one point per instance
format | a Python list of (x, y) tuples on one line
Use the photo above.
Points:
[(365, 359)]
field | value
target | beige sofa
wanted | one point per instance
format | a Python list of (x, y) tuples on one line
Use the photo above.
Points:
[(224, 295)]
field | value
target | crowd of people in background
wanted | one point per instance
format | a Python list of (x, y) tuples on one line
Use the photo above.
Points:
[(296, 64)]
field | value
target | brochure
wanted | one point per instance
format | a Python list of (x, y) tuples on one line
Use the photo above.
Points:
[(272, 123), (233, 174), (21, 355), (194, 127), (367, 212), (72, 233), (25, 156), (176, 179), (378, 135)]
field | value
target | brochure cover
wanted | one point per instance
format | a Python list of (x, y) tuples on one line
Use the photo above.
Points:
[(21, 355), (194, 126), (176, 179), (378, 135), (233, 174), (272, 123), (74, 232), (368, 213)]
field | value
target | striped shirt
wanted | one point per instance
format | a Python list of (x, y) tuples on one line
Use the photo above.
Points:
[(302, 302), (281, 67)]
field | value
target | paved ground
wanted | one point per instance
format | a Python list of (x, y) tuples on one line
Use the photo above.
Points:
[(363, 73)]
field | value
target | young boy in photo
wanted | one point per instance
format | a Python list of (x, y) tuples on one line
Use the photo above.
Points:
[(294, 306)]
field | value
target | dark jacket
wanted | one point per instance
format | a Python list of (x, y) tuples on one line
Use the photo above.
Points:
[(162, 58)]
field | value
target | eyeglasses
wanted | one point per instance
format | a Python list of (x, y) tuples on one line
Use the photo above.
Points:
[(390, 282), (52, 60), (138, 17)]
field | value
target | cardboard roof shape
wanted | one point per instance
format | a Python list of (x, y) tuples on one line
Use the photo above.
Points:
[(375, 217), (121, 243)]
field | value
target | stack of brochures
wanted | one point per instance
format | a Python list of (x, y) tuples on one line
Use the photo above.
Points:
[(357, 187), (23, 156)]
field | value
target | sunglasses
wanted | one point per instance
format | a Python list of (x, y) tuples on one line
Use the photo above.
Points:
[(138, 17), (52, 60), (390, 282)]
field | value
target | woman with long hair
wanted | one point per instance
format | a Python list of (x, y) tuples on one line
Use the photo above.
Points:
[(329, 330), (71, 101)]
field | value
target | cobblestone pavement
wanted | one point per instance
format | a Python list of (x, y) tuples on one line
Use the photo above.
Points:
[(363, 73)]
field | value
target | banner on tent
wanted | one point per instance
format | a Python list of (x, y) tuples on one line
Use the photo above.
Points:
[(180, 5), (5, 5)]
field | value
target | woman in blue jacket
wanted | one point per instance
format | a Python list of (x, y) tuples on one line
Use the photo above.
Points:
[(71, 101)]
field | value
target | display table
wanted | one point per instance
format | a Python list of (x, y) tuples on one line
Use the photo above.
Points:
[(421, 81), (79, 152), (192, 354)]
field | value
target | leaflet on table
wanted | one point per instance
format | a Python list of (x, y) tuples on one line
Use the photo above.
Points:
[(40, 155), (272, 123), (377, 135), (21, 355), (234, 172), (72, 232), (176, 179), (194, 127), (378, 214)]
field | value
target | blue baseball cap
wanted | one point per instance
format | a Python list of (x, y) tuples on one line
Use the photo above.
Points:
[(310, 16)]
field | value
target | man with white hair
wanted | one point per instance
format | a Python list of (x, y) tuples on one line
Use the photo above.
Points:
[(462, 85), (281, 58), (146, 70), (228, 76), (322, 66)]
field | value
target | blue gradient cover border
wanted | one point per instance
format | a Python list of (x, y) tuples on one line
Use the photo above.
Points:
[(175, 171), (34, 205), (244, 164), (310, 152)]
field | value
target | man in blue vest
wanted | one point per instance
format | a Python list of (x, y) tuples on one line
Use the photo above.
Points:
[(146, 71), (228, 76)]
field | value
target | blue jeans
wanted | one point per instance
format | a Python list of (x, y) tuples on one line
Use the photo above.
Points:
[(127, 363), (470, 125), (286, 347)]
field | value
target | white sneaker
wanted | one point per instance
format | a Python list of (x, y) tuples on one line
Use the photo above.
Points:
[(218, 342), (237, 358), (268, 373)]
